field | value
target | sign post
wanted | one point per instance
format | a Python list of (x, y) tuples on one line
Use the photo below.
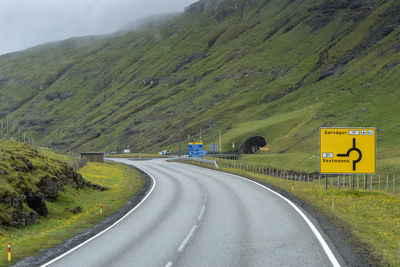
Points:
[(347, 151)]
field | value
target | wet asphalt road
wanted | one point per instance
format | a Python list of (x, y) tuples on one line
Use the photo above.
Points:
[(200, 217)]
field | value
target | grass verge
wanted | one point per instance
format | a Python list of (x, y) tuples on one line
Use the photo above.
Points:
[(309, 163), (62, 224)]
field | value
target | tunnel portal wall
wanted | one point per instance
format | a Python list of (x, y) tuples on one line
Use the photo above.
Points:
[(252, 145)]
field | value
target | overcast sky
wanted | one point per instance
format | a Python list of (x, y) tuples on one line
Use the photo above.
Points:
[(26, 23)]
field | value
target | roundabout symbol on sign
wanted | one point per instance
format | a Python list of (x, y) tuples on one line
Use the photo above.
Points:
[(354, 148)]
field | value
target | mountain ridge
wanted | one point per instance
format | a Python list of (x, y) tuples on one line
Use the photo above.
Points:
[(245, 65)]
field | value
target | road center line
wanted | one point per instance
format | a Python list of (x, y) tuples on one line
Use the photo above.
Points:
[(169, 264), (187, 238), (201, 212), (205, 199)]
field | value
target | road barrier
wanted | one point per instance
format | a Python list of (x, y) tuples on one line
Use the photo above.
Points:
[(211, 163)]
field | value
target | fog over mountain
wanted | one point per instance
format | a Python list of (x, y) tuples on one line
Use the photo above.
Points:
[(26, 23)]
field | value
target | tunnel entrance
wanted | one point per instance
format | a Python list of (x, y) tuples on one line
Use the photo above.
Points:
[(252, 145)]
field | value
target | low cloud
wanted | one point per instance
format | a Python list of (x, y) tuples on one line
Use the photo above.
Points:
[(26, 23)]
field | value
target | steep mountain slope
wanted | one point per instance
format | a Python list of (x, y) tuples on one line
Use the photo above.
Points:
[(276, 68)]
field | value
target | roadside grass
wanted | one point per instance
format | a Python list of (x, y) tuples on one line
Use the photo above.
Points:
[(307, 162), (301, 162), (62, 224), (373, 217)]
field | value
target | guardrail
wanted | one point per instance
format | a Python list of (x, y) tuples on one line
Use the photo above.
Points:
[(206, 161)]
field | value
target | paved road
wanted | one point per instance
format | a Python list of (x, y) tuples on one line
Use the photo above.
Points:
[(199, 217)]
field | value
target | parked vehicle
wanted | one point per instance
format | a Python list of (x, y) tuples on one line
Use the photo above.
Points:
[(165, 152)]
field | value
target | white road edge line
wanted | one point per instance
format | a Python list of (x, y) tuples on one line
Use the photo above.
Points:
[(187, 238), (201, 212), (169, 264), (105, 230), (317, 234)]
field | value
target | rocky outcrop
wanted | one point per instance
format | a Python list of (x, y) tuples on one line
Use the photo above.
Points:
[(21, 164), (36, 202), (76, 210), (14, 214), (14, 211)]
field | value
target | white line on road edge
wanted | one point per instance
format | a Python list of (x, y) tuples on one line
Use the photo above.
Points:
[(317, 234), (201, 212), (182, 246), (102, 232), (169, 264)]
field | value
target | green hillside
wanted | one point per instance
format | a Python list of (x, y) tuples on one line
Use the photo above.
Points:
[(276, 68)]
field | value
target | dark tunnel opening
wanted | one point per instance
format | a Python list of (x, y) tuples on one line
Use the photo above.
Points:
[(252, 145)]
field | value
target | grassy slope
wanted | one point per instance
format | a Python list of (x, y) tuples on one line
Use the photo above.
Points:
[(60, 224), (44, 161), (280, 69)]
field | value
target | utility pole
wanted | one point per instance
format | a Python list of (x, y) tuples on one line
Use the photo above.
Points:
[(110, 140), (180, 134), (75, 134), (220, 145), (214, 145)]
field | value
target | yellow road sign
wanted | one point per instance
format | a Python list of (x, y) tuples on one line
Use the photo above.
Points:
[(347, 150)]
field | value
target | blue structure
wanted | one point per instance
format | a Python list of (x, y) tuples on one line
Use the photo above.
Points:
[(195, 150)]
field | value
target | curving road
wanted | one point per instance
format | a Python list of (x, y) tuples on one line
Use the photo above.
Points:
[(199, 217)]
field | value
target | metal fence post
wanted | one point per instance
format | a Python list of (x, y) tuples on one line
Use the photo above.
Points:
[(379, 183), (370, 183), (387, 183), (358, 184), (394, 177), (326, 182)]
